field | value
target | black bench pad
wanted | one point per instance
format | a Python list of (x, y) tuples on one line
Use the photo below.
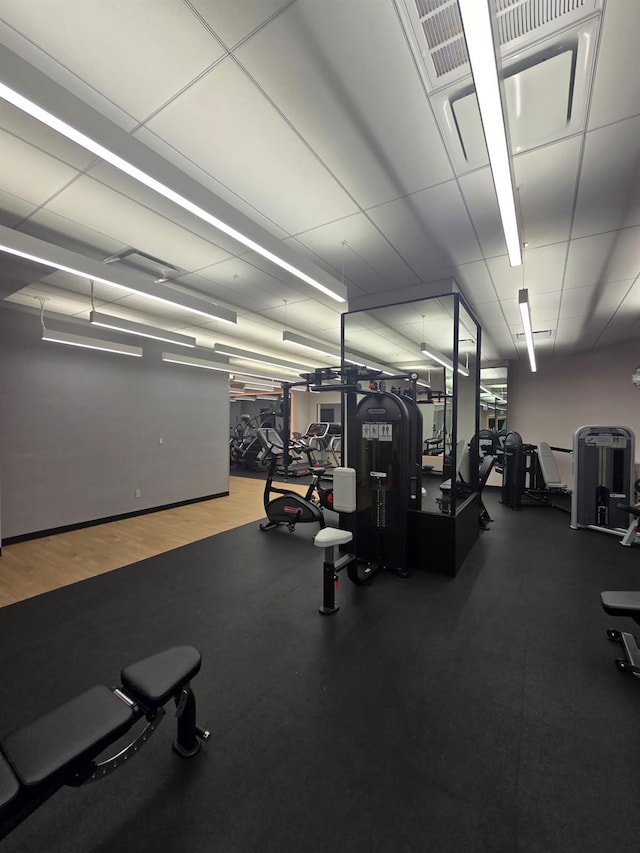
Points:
[(78, 730), (9, 785), (621, 603), (156, 679)]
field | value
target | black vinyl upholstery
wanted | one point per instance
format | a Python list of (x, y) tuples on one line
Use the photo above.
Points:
[(621, 603), (156, 679), (9, 786), (78, 730)]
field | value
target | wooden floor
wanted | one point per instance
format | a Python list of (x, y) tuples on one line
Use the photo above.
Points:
[(40, 565)]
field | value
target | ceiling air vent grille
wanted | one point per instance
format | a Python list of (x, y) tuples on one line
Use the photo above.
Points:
[(442, 27), (517, 18)]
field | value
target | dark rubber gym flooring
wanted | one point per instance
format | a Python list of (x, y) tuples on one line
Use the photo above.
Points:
[(430, 714)]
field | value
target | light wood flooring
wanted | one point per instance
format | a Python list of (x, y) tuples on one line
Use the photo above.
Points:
[(40, 565)]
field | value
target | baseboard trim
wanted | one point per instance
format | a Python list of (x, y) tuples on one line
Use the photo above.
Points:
[(38, 534)]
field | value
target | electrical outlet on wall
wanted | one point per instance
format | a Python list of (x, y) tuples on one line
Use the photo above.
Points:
[(138, 493)]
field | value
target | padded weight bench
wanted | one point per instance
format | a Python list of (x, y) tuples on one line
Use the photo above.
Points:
[(631, 535), (624, 603), (62, 747), (549, 469)]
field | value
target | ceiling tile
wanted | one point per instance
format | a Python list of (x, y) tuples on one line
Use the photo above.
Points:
[(603, 258), (372, 136), (475, 283), (542, 271), (209, 182), (245, 143), (58, 301), (546, 181), (616, 93), (29, 173), (575, 332), (43, 138), (113, 214), (13, 209), (430, 229), (597, 300), (544, 312), (234, 21), (608, 197), (143, 195), (70, 234), (118, 47), (367, 259)]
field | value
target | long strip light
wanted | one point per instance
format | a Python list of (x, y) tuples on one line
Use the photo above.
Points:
[(157, 292), (525, 313), (259, 358), (251, 375), (47, 118), (493, 394), (478, 33), (73, 340), (306, 343), (194, 361), (441, 359), (106, 321), (267, 386)]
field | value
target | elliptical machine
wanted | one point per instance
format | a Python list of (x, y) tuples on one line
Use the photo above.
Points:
[(289, 508)]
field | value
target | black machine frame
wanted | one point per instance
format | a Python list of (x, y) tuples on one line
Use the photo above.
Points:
[(433, 539)]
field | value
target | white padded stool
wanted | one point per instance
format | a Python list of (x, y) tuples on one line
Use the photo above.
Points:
[(344, 501), (328, 538)]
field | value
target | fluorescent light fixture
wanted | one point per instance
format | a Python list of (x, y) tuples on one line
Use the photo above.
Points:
[(361, 361), (193, 361), (493, 394), (235, 352), (106, 321), (73, 340), (268, 386), (525, 313), (478, 33), (266, 376), (300, 341), (441, 359), (137, 174), (14, 243)]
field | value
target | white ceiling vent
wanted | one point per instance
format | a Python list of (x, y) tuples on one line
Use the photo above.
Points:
[(539, 336), (143, 262), (438, 29), (547, 55)]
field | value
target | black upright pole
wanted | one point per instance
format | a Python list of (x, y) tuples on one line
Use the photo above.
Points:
[(286, 424)]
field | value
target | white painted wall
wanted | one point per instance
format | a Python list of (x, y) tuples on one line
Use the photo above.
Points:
[(80, 430), (567, 392)]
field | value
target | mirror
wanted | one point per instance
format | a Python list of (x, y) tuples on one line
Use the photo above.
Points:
[(437, 338)]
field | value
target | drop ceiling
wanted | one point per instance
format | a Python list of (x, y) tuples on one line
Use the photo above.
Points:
[(322, 124)]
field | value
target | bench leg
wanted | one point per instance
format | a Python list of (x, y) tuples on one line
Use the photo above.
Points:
[(629, 537), (329, 578), (187, 742)]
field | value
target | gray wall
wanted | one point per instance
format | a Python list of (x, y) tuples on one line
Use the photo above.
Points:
[(80, 430), (571, 391)]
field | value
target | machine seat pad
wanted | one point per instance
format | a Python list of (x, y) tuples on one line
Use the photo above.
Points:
[(621, 603), (78, 730), (156, 679), (329, 536), (9, 785)]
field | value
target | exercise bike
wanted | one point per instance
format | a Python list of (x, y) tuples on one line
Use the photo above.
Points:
[(289, 507)]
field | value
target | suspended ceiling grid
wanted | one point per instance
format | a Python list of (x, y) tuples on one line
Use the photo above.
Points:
[(314, 120)]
